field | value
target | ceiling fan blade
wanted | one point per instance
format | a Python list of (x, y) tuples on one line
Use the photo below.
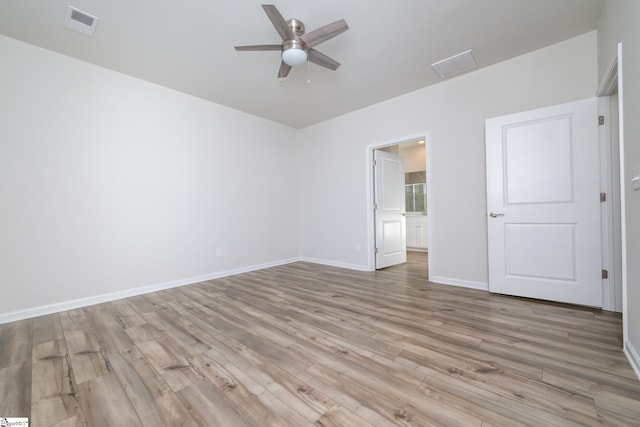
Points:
[(323, 60), (258, 47), (324, 33), (278, 21), (284, 70)]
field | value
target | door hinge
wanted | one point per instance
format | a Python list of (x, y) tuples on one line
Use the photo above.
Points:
[(375, 251), (600, 120), (375, 206), (605, 274), (603, 197), (375, 162)]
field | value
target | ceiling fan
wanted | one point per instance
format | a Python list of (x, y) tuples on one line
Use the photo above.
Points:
[(297, 47)]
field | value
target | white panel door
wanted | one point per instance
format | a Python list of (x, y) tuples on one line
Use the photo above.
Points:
[(390, 216), (543, 204)]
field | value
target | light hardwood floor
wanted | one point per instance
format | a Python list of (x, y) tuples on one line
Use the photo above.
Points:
[(304, 344)]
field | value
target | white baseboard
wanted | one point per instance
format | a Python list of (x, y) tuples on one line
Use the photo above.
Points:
[(98, 299), (461, 283), (330, 263), (634, 358)]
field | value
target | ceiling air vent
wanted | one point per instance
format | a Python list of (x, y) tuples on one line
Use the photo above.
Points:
[(80, 21), (455, 64)]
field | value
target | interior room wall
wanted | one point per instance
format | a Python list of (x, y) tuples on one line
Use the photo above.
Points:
[(110, 184), (414, 156), (619, 24), (334, 201)]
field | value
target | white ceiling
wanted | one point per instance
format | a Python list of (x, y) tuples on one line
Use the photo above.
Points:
[(188, 45)]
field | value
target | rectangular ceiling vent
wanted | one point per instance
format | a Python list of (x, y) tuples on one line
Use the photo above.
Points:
[(80, 21), (455, 64)]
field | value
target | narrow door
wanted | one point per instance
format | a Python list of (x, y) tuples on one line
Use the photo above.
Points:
[(543, 204), (389, 209)]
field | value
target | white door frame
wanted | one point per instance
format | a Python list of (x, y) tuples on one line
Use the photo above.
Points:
[(611, 81), (610, 210), (371, 260)]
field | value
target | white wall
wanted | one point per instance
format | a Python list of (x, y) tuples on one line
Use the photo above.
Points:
[(415, 158), (333, 203), (108, 183), (619, 23)]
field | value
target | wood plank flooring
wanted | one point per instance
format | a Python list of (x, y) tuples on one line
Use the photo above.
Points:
[(304, 344)]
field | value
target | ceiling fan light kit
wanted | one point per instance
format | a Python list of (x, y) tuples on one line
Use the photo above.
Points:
[(294, 53), (298, 47)]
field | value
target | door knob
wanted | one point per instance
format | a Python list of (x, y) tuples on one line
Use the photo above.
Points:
[(495, 215)]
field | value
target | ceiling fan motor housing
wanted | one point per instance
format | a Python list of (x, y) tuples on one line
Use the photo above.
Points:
[(297, 26)]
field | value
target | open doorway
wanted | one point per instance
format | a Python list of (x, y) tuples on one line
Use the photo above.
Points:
[(414, 193)]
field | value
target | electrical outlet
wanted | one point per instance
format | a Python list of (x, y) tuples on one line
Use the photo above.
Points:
[(219, 252)]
